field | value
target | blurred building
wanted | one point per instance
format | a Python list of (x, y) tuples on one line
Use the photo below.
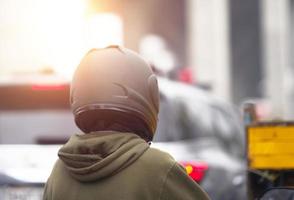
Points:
[(243, 50)]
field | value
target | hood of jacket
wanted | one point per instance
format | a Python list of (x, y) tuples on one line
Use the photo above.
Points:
[(98, 155)]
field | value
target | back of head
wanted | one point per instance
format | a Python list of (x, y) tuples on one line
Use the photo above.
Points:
[(114, 89)]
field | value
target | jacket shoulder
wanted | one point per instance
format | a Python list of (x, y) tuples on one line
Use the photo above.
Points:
[(154, 158), (178, 178)]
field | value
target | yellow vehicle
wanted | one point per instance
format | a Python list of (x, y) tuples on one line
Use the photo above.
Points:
[(270, 153)]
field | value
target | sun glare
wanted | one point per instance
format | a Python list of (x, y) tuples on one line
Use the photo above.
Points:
[(52, 33)]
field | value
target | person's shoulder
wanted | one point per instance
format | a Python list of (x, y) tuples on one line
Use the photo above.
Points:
[(160, 153), (160, 158)]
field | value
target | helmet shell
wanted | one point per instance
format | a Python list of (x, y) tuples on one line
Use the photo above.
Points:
[(115, 79)]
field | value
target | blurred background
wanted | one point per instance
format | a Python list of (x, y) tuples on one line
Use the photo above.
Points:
[(211, 57), (236, 50)]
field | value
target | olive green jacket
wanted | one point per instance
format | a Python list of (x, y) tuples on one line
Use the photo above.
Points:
[(117, 166)]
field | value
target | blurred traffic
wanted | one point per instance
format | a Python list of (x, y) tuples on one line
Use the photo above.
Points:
[(213, 60)]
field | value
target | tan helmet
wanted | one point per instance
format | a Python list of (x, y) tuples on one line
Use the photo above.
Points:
[(115, 87)]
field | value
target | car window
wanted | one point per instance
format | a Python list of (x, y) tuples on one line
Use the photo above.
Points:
[(183, 117)]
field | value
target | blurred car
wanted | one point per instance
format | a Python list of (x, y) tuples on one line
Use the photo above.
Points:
[(202, 133), (39, 105), (205, 135), (277, 193), (24, 169)]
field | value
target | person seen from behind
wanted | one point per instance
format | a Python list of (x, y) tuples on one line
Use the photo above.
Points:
[(115, 101)]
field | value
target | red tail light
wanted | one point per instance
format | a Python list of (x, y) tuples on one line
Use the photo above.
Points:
[(48, 87), (196, 170)]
